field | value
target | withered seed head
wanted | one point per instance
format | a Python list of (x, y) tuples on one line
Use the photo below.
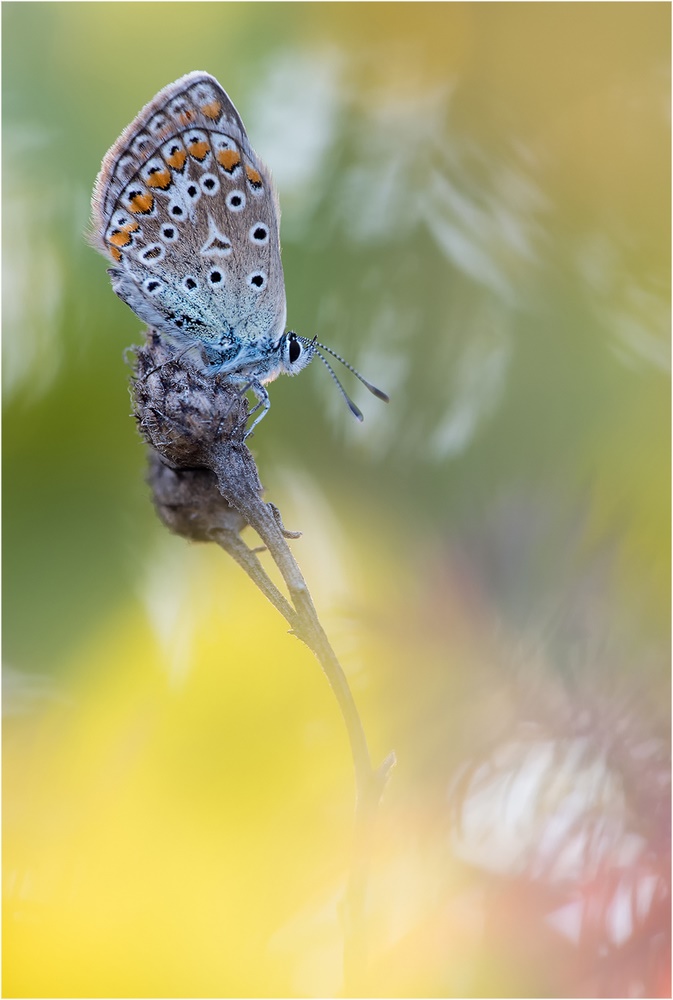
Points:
[(183, 413)]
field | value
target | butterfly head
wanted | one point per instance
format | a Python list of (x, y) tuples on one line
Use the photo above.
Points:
[(295, 352)]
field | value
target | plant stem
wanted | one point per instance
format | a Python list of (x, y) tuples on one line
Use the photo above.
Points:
[(206, 487)]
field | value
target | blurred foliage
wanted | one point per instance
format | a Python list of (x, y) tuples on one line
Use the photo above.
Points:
[(476, 213)]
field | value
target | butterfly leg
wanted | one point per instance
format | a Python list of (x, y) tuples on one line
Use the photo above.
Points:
[(262, 399)]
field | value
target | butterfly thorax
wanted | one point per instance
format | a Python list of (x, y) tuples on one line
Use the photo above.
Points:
[(260, 359)]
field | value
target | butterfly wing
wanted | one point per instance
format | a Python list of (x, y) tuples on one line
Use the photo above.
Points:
[(189, 217)]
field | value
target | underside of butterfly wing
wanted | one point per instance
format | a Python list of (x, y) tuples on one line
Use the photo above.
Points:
[(188, 215)]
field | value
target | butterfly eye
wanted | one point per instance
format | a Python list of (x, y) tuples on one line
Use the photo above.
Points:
[(294, 351)]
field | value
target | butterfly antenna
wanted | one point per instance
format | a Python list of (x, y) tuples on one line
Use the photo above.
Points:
[(349, 402), (372, 388)]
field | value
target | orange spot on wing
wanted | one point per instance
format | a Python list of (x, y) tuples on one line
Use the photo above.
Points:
[(177, 159), (229, 158), (199, 149), (119, 238), (185, 117), (212, 110), (142, 202), (131, 226), (253, 176), (161, 179), (117, 254)]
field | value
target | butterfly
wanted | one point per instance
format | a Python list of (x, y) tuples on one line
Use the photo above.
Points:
[(189, 217)]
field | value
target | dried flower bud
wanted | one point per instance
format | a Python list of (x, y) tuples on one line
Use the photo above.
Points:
[(194, 423), (189, 502), (184, 413)]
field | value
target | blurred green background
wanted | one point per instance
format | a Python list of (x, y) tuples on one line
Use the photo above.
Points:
[(476, 214)]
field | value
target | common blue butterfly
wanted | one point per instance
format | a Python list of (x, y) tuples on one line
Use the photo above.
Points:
[(190, 219)]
